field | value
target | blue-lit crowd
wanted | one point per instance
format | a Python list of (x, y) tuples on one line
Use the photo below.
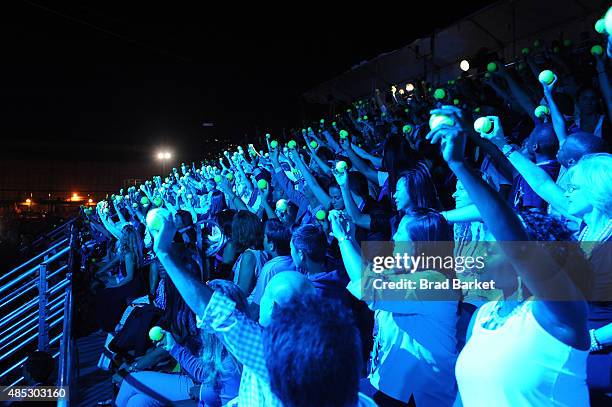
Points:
[(247, 281)]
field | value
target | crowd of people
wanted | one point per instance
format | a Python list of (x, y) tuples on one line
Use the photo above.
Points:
[(247, 281)]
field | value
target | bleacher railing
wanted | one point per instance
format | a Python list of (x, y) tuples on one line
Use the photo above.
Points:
[(36, 308)]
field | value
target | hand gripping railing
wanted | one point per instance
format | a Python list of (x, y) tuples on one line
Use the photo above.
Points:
[(43, 282)]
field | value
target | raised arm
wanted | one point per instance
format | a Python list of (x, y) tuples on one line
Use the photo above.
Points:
[(519, 94), (558, 120), (604, 83), (317, 190), (536, 177), (195, 293), (359, 163)]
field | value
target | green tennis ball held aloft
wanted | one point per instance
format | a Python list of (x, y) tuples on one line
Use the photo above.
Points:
[(313, 144), (217, 178), (546, 77), (436, 120), (439, 94), (600, 26), (597, 50), (281, 205), (407, 129), (262, 184), (541, 111), (483, 125), (292, 144), (344, 134), (156, 334), (274, 144), (321, 215), (341, 166), (492, 67)]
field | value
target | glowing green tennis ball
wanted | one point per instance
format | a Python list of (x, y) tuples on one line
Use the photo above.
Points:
[(541, 111), (567, 43), (556, 50), (156, 217), (536, 43), (608, 19), (274, 144), (437, 120), (483, 125), (477, 110), (525, 51), (600, 26), (322, 121), (291, 144), (359, 119), (156, 334), (341, 166), (451, 82), (334, 124), (439, 94), (281, 205), (158, 201), (309, 129), (348, 110), (406, 110), (229, 176), (268, 135), (344, 134), (407, 129), (321, 215), (262, 184), (597, 50), (217, 178), (135, 205), (313, 144), (546, 77), (492, 67), (487, 75), (456, 102), (365, 117)]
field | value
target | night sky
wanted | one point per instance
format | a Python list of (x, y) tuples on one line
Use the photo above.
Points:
[(116, 80)]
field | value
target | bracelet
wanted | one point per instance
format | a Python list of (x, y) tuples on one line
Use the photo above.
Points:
[(507, 150), (595, 345)]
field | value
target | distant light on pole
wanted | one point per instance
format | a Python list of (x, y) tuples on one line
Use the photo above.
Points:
[(167, 156), (464, 65), (409, 87), (160, 156), (90, 200), (28, 201)]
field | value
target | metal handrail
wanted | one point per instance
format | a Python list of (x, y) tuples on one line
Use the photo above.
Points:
[(60, 229), (33, 259), (33, 270), (13, 296), (65, 370), (26, 321), (19, 328)]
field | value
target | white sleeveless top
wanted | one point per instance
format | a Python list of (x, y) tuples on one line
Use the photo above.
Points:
[(519, 364)]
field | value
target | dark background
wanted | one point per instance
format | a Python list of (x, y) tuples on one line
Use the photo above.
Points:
[(114, 81)]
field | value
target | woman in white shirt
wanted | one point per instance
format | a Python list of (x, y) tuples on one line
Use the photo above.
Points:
[(520, 353)]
